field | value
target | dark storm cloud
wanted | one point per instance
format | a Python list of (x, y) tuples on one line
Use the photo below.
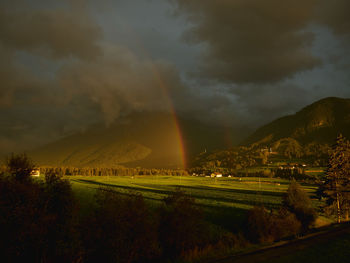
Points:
[(59, 33), (16, 81), (266, 103), (335, 15), (117, 83), (120, 82), (64, 32), (7, 77), (59, 75), (252, 41), (260, 41), (67, 64), (273, 57)]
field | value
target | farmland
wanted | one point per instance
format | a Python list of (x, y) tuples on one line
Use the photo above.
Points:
[(223, 200)]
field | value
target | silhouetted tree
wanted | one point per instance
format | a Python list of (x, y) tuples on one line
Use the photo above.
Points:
[(62, 240), (19, 166), (181, 225), (22, 220), (120, 230), (35, 217), (337, 186)]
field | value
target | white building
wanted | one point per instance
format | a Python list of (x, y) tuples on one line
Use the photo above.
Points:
[(35, 172)]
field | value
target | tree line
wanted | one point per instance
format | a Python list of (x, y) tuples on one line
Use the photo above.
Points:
[(102, 171)]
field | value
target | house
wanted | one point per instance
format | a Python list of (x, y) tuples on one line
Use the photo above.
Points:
[(35, 172), (216, 175)]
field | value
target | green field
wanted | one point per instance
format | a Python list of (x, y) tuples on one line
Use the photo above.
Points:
[(223, 200)]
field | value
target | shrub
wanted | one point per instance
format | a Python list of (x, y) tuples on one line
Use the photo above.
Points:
[(259, 225), (298, 202), (182, 227), (285, 224), (263, 226), (120, 230)]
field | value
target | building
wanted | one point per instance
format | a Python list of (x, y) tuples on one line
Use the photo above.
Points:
[(216, 175), (35, 172)]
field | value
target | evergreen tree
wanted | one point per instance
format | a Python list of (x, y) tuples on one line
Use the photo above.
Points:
[(337, 186)]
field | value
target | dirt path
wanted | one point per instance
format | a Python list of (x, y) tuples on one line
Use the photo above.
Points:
[(286, 248)]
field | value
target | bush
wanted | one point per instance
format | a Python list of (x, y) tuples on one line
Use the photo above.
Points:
[(182, 227), (285, 224), (298, 202), (120, 230), (264, 227), (259, 225)]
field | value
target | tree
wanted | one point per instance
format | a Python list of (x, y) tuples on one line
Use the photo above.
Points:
[(61, 210), (19, 166), (37, 221), (337, 185), (123, 229), (181, 225), (296, 201)]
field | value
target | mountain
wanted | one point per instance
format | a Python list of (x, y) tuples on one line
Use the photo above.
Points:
[(319, 122), (149, 140)]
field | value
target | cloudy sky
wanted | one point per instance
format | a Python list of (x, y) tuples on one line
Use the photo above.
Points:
[(68, 64)]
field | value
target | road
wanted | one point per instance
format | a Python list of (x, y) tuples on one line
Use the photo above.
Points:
[(283, 249)]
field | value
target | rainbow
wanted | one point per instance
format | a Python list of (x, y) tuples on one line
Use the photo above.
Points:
[(167, 97), (163, 88)]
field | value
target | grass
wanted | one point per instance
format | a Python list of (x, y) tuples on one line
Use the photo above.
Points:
[(223, 200)]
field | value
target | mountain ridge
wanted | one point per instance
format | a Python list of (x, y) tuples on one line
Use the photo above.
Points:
[(318, 122), (148, 140)]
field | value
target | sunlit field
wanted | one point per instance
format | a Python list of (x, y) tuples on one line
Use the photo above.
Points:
[(223, 200)]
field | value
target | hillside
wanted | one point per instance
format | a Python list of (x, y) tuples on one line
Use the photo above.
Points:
[(307, 135), (319, 122), (145, 140)]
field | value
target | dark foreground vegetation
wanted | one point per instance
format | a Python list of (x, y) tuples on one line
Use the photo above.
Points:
[(40, 221)]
